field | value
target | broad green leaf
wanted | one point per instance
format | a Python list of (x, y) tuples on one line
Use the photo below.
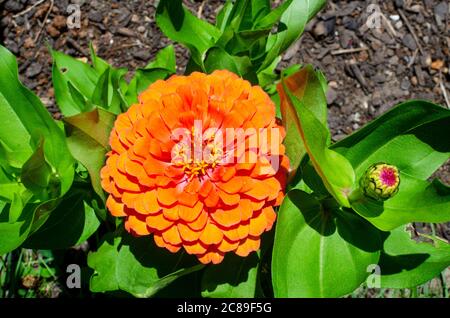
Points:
[(13, 234), (306, 86), (79, 86), (408, 137), (36, 174), (72, 223), (73, 81), (88, 140), (28, 120), (107, 91), (405, 263), (180, 25), (223, 17), (334, 169), (235, 277), (320, 250), (104, 263), (162, 67), (218, 59), (137, 266), (291, 26)]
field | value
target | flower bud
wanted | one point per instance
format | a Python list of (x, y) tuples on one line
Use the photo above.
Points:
[(380, 181)]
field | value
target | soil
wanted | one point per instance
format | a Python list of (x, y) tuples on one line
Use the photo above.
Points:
[(372, 61)]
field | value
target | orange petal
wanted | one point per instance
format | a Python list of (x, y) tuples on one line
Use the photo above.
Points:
[(116, 208), (211, 257), (258, 224), (158, 222), (136, 226), (205, 188), (211, 235), (167, 196), (150, 202), (243, 230), (249, 245), (188, 199), (190, 214), (161, 243), (172, 213), (229, 199), (212, 199), (259, 191), (227, 246), (187, 234), (227, 218), (270, 215), (172, 236), (200, 223), (195, 248)]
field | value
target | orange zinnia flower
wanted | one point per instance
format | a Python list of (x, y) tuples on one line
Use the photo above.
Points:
[(207, 204)]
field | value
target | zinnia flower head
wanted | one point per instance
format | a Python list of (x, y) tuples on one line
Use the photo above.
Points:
[(381, 181), (199, 163)]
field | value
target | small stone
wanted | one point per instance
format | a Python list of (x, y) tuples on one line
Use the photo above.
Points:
[(141, 29), (346, 39), (28, 43), (331, 96), (399, 4), (406, 84), (376, 98), (96, 16), (409, 42), (425, 60), (414, 81), (440, 12), (135, 18), (320, 30), (379, 78), (394, 17), (144, 55), (394, 60), (437, 65), (399, 25), (13, 6), (52, 31), (33, 70), (59, 22)]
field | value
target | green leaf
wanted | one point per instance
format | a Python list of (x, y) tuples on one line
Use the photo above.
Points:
[(334, 169), (36, 174), (306, 86), (180, 25), (13, 234), (405, 263), (27, 120), (79, 86), (290, 28), (320, 250), (88, 140), (104, 263), (407, 137), (235, 277), (72, 223), (137, 266), (162, 67), (218, 59), (74, 81)]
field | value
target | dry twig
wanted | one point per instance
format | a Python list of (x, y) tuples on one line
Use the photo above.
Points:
[(28, 9), (411, 30), (44, 22)]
